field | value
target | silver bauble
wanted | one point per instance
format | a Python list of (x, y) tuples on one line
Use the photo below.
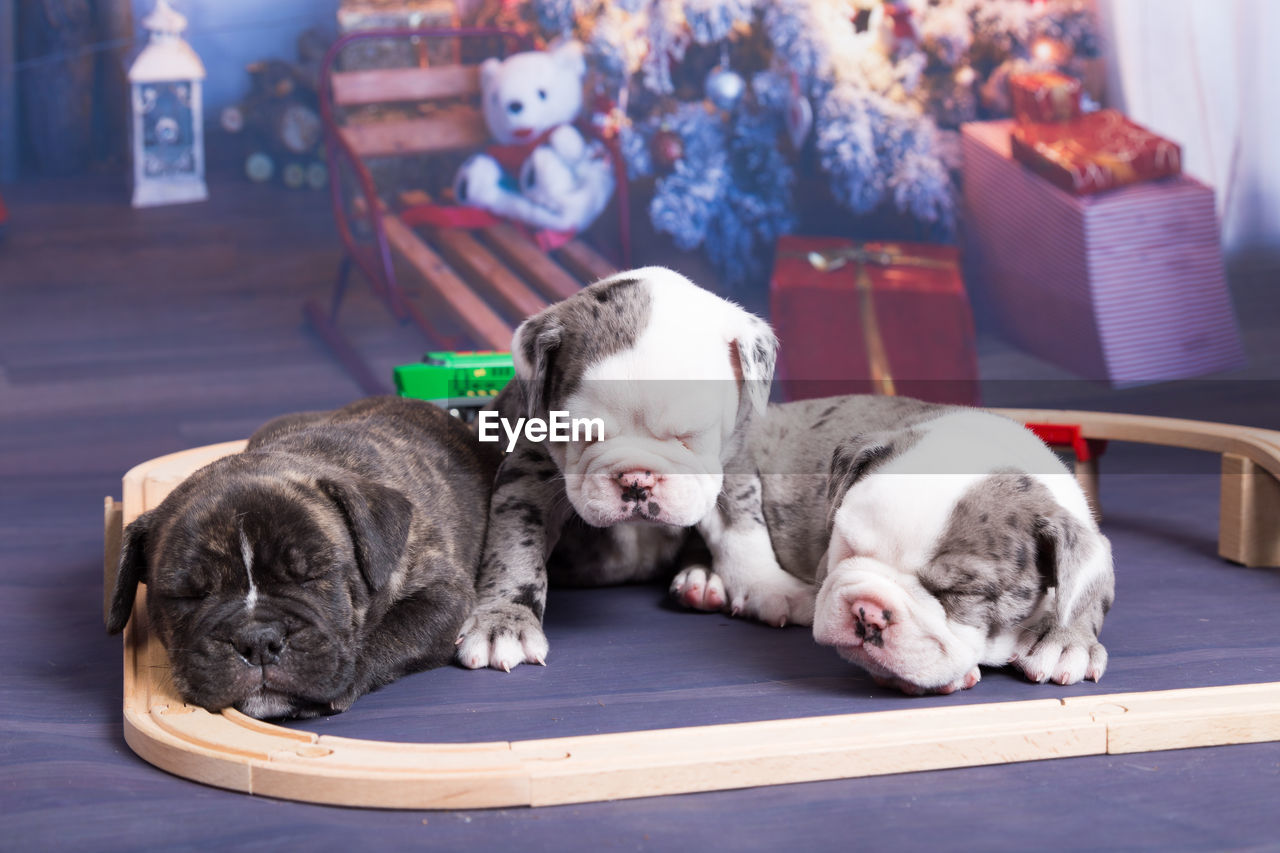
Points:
[(725, 87)]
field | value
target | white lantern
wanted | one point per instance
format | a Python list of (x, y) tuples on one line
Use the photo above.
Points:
[(168, 125)]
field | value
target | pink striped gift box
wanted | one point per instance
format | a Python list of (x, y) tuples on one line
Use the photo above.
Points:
[(1127, 286)]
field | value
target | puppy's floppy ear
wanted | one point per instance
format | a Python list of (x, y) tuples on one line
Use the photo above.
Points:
[(852, 460), (533, 352), (378, 520), (753, 351), (130, 571), (1075, 560)]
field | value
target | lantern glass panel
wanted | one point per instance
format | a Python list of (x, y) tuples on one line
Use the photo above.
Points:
[(168, 137)]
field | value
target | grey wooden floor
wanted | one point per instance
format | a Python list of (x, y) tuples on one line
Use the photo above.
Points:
[(125, 335)]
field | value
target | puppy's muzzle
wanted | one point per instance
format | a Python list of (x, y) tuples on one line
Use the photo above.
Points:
[(259, 643)]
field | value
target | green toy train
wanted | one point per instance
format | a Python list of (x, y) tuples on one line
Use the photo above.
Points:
[(461, 382)]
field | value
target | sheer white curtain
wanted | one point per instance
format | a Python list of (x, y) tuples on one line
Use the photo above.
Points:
[(1206, 73)]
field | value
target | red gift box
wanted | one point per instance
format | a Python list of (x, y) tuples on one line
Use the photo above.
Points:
[(1128, 286), (1096, 152), (887, 318), (1044, 96)]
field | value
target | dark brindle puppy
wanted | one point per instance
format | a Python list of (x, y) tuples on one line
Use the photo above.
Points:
[(335, 554)]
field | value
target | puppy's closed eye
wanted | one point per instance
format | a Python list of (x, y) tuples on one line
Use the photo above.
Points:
[(179, 591)]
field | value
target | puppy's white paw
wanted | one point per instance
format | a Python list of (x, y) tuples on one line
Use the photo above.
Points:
[(779, 601), (1060, 657), (502, 637), (699, 588)]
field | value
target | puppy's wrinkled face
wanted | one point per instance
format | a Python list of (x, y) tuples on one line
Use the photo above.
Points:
[(879, 605), (930, 574), (660, 458), (250, 594), (671, 371)]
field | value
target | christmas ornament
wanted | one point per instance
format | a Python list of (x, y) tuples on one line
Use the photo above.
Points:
[(725, 86), (667, 149)]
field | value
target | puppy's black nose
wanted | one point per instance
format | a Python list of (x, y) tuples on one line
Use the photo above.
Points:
[(259, 643), (514, 107), (631, 493)]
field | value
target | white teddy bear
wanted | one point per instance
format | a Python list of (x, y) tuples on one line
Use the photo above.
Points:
[(542, 172)]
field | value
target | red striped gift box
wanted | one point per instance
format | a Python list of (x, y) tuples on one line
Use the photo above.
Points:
[(1127, 286)]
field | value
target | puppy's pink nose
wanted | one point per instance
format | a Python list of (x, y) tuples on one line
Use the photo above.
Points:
[(636, 485), (870, 618), (638, 478)]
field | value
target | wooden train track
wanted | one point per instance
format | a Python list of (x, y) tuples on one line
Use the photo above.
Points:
[(230, 750)]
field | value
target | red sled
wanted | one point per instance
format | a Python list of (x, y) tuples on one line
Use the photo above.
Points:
[(885, 318)]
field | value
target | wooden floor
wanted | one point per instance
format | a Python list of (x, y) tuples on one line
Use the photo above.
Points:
[(128, 334)]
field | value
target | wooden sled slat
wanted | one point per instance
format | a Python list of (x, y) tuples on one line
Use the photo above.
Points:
[(486, 273), (473, 312), (474, 262), (585, 262), (382, 85), (452, 129), (520, 253)]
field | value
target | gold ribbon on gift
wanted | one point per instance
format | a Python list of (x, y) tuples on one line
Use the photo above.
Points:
[(1062, 98), (830, 260), (1104, 168)]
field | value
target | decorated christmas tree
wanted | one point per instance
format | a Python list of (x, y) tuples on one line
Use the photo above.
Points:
[(732, 107)]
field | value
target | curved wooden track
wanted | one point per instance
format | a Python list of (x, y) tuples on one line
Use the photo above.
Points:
[(233, 751)]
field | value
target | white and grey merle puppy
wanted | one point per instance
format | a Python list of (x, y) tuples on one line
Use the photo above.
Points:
[(675, 374), (942, 538), (335, 554)]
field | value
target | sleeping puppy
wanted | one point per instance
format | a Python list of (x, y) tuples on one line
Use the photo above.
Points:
[(674, 374), (942, 539), (335, 554)]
